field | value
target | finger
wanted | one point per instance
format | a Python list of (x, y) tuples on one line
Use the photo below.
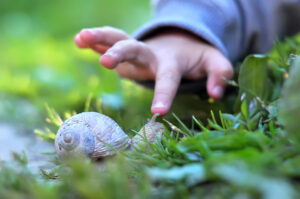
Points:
[(79, 42), (128, 50), (168, 79), (106, 36), (217, 68), (130, 71), (98, 48)]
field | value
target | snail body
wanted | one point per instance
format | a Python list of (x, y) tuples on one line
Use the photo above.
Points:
[(152, 130), (96, 135)]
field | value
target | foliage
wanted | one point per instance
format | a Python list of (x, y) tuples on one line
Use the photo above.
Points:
[(208, 150), (246, 154), (289, 103)]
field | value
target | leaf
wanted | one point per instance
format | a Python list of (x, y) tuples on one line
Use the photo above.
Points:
[(292, 166), (253, 77), (192, 173), (199, 123), (270, 188), (244, 109), (238, 141), (289, 105)]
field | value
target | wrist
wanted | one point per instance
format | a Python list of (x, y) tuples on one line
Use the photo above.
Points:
[(173, 32)]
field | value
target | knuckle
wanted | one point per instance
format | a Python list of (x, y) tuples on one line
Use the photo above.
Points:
[(143, 49), (131, 42), (227, 71), (119, 45), (127, 42), (141, 44)]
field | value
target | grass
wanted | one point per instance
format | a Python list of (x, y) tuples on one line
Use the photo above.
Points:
[(251, 152)]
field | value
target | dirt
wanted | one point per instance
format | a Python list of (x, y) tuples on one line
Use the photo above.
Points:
[(12, 140)]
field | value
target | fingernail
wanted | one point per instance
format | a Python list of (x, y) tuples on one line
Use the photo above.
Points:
[(159, 107), (218, 91)]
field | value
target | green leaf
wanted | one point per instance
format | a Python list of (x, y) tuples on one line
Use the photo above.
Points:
[(289, 105), (253, 77), (269, 188), (192, 173), (244, 109)]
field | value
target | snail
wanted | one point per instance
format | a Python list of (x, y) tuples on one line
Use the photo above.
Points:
[(96, 136)]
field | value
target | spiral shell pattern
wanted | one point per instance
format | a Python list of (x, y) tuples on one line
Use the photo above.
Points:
[(92, 134)]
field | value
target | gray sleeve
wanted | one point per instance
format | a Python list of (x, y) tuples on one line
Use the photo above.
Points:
[(236, 27)]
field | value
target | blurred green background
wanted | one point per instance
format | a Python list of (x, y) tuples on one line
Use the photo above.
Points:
[(40, 64)]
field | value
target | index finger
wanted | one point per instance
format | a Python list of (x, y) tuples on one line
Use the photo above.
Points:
[(106, 36), (168, 78)]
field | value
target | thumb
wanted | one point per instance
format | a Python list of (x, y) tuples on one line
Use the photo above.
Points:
[(168, 78), (217, 68)]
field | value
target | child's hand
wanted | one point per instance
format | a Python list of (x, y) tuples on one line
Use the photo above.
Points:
[(165, 58)]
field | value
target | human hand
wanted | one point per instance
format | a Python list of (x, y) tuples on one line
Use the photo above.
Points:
[(165, 57)]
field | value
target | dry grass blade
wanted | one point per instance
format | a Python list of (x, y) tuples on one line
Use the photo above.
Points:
[(175, 128)]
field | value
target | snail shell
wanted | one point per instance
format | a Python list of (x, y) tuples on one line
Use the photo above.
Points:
[(92, 134), (152, 130)]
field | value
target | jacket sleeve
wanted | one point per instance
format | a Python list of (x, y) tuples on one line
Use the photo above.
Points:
[(236, 27)]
